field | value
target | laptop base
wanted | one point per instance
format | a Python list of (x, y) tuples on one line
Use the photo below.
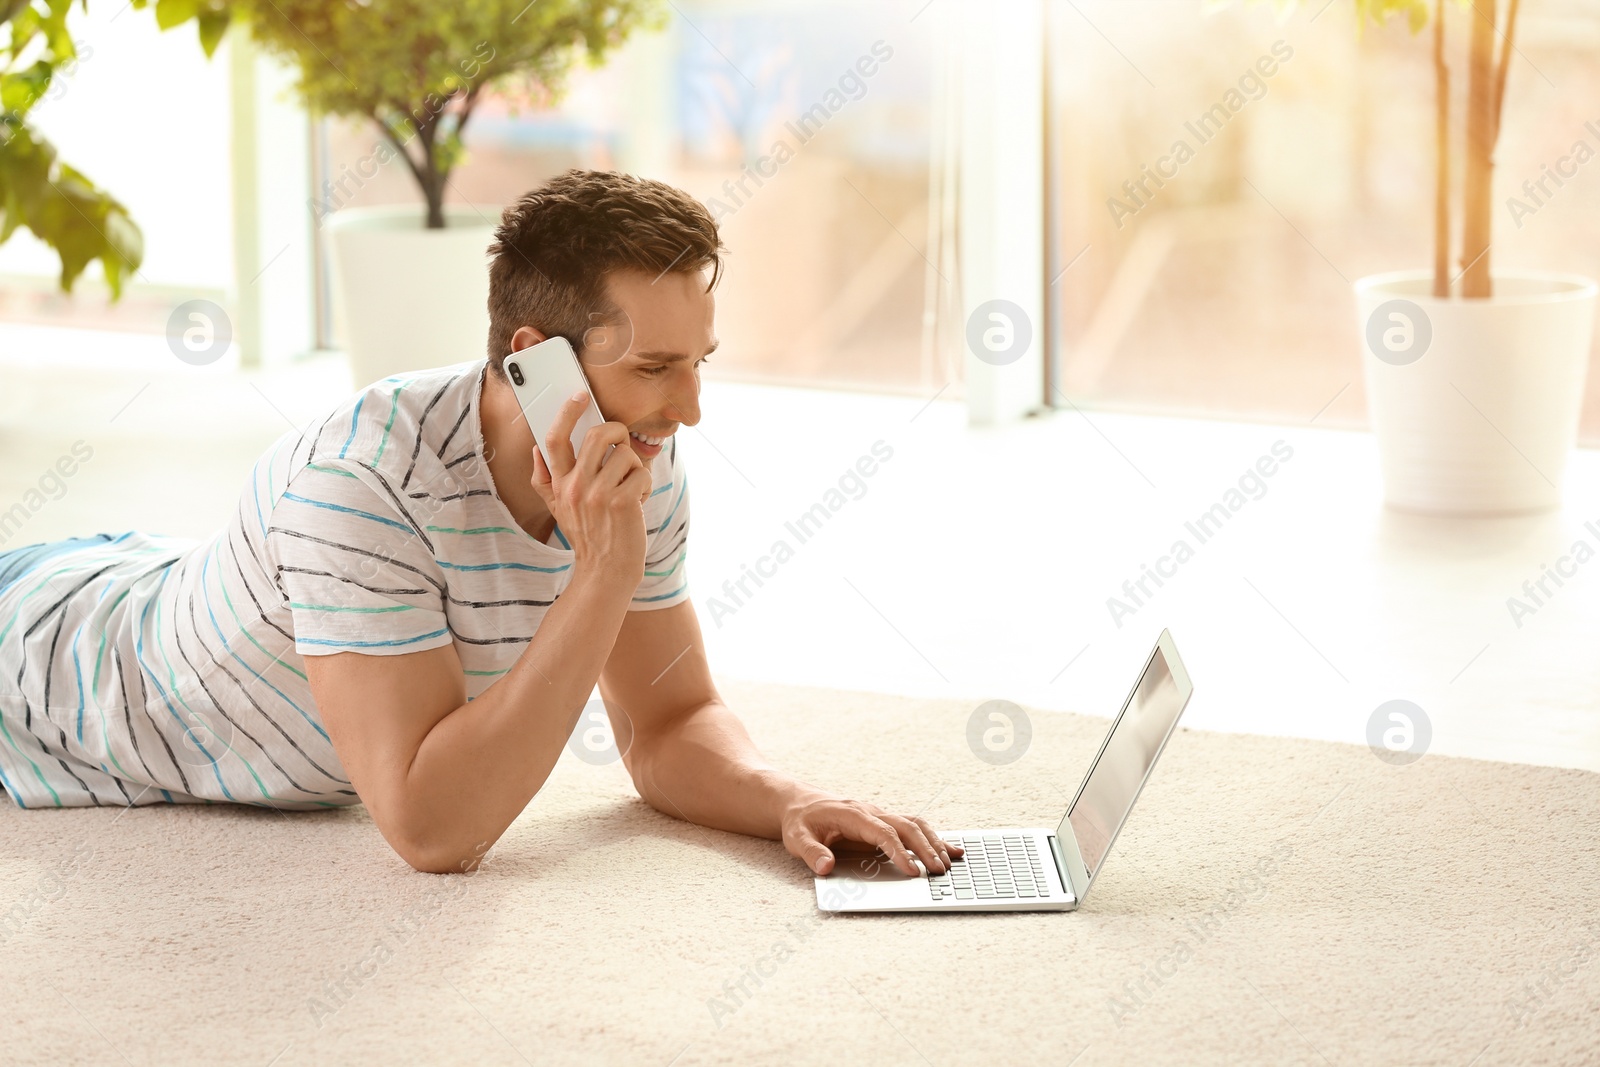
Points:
[(1003, 870)]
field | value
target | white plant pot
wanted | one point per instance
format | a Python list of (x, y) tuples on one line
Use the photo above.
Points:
[(1475, 403), (410, 298)]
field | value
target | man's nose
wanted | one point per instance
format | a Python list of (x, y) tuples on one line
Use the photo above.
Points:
[(683, 398)]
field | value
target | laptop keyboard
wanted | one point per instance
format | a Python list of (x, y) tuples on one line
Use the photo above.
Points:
[(995, 866)]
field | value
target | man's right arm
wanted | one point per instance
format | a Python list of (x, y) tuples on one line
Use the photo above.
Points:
[(442, 777)]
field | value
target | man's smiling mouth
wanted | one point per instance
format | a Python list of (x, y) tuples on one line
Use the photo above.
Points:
[(648, 439)]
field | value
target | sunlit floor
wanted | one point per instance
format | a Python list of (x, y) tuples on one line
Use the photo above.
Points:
[(969, 563)]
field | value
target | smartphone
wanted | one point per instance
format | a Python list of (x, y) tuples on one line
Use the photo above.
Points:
[(543, 377)]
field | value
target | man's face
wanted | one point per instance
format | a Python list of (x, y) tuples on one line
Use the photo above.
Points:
[(645, 370)]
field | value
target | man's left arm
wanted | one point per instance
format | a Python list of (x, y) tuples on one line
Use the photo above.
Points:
[(691, 758)]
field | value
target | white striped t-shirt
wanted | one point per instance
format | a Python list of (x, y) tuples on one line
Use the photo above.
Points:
[(146, 669)]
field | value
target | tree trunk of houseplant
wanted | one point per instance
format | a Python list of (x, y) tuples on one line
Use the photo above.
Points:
[(439, 146), (432, 178), (1441, 145), (1477, 195)]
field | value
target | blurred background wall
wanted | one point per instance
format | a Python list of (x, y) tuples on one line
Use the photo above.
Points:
[(1224, 292)]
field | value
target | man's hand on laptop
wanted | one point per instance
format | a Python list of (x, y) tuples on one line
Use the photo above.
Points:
[(817, 821)]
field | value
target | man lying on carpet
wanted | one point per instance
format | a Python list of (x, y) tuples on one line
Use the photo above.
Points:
[(408, 595)]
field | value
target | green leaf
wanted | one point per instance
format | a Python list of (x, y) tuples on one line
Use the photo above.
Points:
[(170, 13), (25, 164), (213, 24), (54, 25), (123, 237), (23, 28), (19, 91), (63, 208), (124, 248), (38, 192)]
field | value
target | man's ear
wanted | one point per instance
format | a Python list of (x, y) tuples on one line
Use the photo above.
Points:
[(526, 337)]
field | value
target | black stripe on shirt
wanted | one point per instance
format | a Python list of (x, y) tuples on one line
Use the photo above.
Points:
[(416, 446), (286, 532)]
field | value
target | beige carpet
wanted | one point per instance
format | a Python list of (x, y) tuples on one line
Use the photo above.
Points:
[(1272, 901)]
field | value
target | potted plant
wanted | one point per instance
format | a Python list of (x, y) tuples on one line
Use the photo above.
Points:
[(412, 284), (1475, 377), (38, 190)]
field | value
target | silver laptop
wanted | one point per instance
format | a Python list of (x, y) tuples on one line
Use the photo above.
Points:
[(1036, 869)]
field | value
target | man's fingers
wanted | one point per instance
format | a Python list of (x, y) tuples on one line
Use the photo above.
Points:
[(640, 480), (622, 461), (557, 445), (946, 849), (817, 856), (904, 840), (541, 479), (920, 841), (877, 832), (592, 453)]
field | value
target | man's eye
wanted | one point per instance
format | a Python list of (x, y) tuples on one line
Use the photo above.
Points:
[(656, 371)]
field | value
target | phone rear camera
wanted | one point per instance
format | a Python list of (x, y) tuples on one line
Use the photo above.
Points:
[(516, 372)]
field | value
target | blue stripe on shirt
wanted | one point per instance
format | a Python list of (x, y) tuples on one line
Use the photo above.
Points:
[(138, 658), (668, 520), (502, 567), (11, 790), (348, 511), (20, 562), (367, 644), (205, 590), (77, 669), (355, 417)]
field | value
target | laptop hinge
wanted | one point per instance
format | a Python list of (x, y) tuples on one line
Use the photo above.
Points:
[(1061, 867)]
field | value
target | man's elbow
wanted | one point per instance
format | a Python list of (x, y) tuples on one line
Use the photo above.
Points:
[(426, 861), (437, 854)]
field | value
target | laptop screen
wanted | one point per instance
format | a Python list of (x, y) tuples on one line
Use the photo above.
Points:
[(1129, 751)]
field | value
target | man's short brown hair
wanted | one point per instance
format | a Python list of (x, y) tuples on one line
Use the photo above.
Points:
[(555, 246)]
